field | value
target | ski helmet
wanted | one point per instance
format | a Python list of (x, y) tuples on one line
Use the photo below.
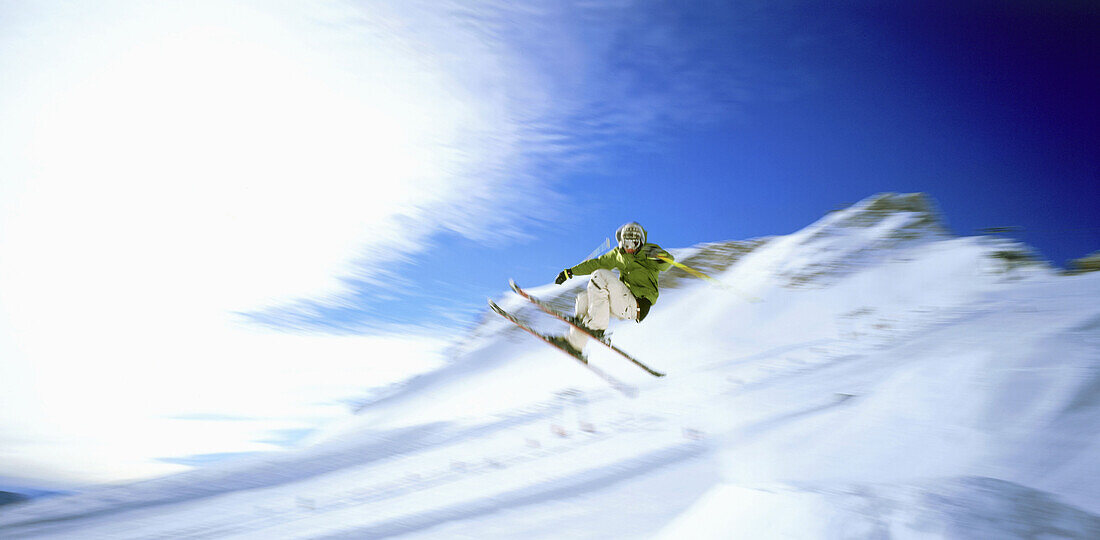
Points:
[(630, 236)]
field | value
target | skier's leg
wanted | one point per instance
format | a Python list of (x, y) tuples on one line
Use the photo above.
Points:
[(575, 337), (580, 307), (606, 296), (620, 301), (599, 302)]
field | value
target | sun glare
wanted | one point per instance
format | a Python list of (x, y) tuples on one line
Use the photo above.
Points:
[(219, 158), (186, 163)]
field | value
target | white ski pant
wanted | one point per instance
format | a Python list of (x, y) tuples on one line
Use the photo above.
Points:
[(606, 296)]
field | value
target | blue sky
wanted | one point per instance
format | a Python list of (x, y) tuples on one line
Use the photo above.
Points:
[(767, 115), (357, 177)]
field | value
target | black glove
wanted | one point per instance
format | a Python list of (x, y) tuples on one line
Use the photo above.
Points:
[(654, 252), (564, 275)]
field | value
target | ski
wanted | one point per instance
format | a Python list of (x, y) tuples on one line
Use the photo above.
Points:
[(626, 389), (569, 320)]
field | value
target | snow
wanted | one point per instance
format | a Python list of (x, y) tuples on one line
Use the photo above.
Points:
[(893, 381), (966, 507)]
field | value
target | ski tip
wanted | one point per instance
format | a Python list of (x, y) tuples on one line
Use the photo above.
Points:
[(512, 283)]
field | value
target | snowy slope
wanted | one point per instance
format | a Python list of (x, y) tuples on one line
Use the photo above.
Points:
[(892, 380)]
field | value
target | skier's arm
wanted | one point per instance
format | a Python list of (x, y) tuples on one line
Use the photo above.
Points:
[(605, 261)]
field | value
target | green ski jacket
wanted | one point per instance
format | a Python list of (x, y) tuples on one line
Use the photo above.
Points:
[(636, 270)]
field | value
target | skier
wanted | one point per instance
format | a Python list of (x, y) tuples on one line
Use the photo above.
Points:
[(629, 295)]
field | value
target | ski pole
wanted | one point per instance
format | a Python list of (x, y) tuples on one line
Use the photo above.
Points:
[(600, 249), (699, 274)]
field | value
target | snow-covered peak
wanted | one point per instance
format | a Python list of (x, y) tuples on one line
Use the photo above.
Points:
[(866, 233), (923, 219)]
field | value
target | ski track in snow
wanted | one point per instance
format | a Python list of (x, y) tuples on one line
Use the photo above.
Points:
[(915, 390)]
